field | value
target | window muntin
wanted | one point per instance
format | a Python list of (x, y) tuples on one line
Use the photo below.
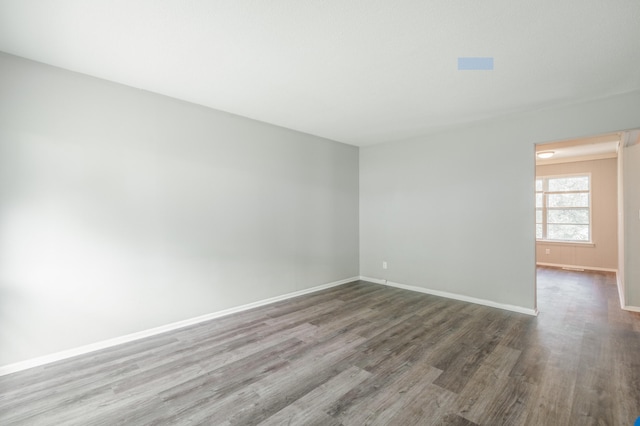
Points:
[(563, 208)]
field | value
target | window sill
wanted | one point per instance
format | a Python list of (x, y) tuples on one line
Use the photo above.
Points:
[(567, 243)]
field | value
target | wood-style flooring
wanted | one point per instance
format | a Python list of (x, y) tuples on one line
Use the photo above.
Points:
[(361, 354)]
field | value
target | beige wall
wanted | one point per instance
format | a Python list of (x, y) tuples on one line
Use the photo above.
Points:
[(604, 227)]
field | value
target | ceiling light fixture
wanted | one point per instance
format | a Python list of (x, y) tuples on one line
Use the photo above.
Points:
[(545, 154)]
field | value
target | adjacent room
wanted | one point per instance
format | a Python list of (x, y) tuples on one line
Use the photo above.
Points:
[(330, 213), (576, 203)]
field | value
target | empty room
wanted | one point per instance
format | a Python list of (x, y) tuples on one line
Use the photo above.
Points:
[(319, 212)]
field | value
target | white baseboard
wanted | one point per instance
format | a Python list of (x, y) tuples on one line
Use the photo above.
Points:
[(47, 359), (374, 280), (586, 268), (623, 303), (455, 296)]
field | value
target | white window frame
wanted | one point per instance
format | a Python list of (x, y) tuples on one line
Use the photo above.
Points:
[(544, 192)]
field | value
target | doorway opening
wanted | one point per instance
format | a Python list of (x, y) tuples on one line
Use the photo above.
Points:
[(577, 186)]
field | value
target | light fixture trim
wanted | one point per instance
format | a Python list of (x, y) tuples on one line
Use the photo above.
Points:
[(545, 154)]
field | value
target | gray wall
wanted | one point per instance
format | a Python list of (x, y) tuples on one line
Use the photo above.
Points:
[(122, 210), (454, 211), (631, 171)]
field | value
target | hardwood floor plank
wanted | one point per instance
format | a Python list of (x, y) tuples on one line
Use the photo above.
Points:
[(509, 403), (390, 399), (474, 401), (296, 379), (311, 407), (626, 374), (551, 403), (454, 420), (592, 403), (532, 361), (473, 351), (232, 376), (424, 405)]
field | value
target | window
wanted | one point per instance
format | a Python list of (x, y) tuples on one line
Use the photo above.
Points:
[(563, 208)]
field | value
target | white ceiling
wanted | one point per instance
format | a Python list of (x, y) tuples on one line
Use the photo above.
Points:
[(357, 71), (583, 149)]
